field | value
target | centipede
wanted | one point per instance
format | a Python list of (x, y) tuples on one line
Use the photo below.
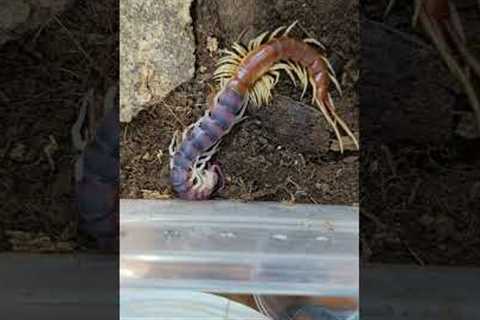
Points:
[(247, 74), (96, 188)]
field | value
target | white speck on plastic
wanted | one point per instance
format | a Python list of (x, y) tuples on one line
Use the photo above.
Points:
[(229, 235), (280, 237), (321, 238)]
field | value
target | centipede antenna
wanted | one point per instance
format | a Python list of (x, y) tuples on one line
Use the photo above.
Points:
[(315, 42), (290, 28)]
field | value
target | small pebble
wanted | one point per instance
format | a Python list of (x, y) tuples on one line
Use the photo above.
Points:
[(212, 44), (262, 140), (323, 187), (350, 159), (146, 156)]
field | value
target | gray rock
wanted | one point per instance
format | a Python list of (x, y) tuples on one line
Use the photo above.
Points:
[(156, 51), (20, 16)]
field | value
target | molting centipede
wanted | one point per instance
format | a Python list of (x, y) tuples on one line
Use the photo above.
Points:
[(248, 74)]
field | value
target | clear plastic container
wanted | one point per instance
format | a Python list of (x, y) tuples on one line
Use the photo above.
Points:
[(264, 248)]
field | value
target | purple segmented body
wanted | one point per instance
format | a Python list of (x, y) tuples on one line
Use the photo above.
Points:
[(191, 176), (97, 191)]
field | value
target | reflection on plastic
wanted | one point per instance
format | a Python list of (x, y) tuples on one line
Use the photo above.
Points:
[(234, 247)]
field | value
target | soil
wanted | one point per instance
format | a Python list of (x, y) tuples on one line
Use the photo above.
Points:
[(420, 202), (420, 199), (45, 75), (304, 172)]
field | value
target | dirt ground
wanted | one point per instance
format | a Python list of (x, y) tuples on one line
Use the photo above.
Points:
[(44, 77), (252, 152), (420, 202)]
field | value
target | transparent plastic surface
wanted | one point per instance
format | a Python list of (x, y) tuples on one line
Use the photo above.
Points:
[(261, 248)]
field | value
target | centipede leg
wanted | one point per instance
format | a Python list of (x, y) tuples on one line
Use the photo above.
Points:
[(172, 148), (241, 115)]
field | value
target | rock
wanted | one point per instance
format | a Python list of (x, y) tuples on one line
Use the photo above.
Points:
[(156, 52), (295, 124), (20, 16), (350, 159), (323, 187)]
